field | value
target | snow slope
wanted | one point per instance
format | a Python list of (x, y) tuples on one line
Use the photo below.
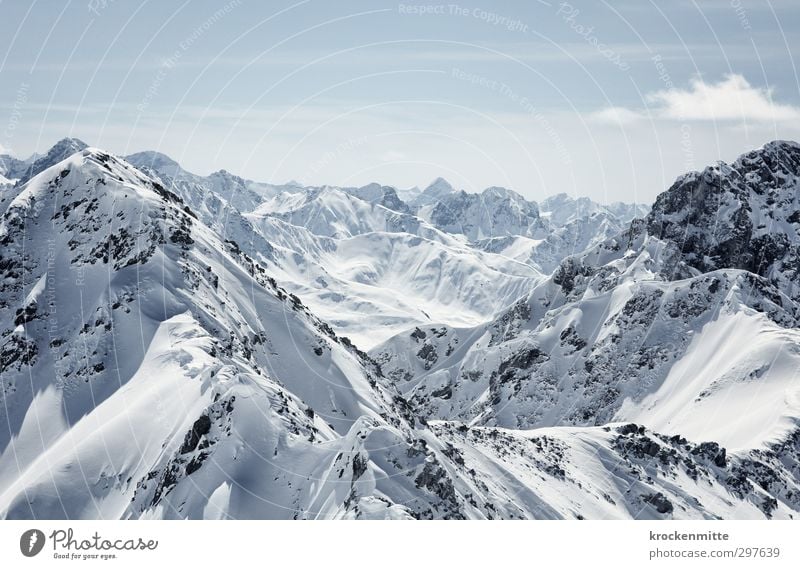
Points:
[(374, 284), (688, 357), (142, 333), (546, 253)]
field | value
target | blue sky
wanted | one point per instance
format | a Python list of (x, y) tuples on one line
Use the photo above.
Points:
[(607, 99)]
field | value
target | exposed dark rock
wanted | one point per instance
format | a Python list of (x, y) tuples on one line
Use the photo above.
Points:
[(200, 427)]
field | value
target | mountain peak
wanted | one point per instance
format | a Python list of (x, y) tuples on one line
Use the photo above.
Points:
[(154, 160), (386, 196), (69, 142), (501, 193), (62, 149), (779, 156), (751, 204), (439, 187), (226, 175), (372, 186), (783, 145)]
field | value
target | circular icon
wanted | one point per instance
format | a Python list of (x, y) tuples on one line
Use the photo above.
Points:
[(31, 542)]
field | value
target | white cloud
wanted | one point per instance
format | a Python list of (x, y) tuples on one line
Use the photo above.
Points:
[(732, 99), (616, 115)]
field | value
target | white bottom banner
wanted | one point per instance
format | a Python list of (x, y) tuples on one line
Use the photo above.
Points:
[(398, 544)]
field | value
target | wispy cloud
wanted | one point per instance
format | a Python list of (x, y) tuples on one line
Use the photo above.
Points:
[(420, 49), (616, 115), (731, 99)]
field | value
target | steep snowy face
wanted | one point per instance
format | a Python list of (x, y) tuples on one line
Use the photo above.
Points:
[(612, 354), (217, 200), (168, 369), (745, 215), (496, 212), (619, 471)]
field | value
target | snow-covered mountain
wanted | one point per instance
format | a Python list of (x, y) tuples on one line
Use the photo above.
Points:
[(545, 254), (612, 335), (501, 221), (61, 150), (372, 271), (375, 284), (335, 212), (386, 196), (683, 323), (357, 256), (433, 192), (681, 356), (168, 369), (408, 195), (171, 347), (560, 209), (495, 212), (745, 215), (243, 195), (12, 169)]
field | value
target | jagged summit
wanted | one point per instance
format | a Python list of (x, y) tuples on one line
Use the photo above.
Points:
[(439, 187), (435, 191), (65, 147), (775, 148), (384, 195), (58, 152), (495, 212), (500, 192), (743, 215)]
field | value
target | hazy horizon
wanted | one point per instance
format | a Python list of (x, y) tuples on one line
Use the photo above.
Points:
[(420, 187), (607, 101)]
